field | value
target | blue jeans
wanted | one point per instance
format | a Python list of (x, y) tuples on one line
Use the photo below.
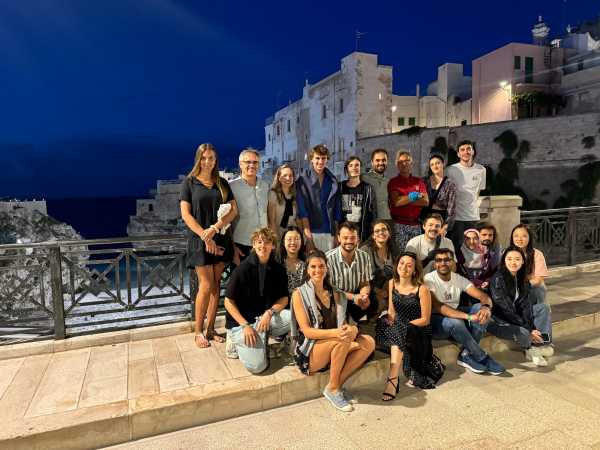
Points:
[(467, 335), (255, 358), (537, 294), (518, 334)]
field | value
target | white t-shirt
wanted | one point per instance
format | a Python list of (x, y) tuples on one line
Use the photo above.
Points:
[(421, 246), (469, 182), (447, 292)]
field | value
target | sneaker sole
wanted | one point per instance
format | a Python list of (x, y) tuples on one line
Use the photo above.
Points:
[(495, 373), (467, 366)]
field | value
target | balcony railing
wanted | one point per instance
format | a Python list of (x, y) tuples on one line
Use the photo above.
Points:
[(55, 290), (566, 236)]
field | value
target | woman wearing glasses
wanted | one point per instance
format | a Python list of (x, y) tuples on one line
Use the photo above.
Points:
[(203, 193), (381, 250)]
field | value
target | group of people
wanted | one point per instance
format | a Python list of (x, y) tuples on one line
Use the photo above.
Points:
[(337, 268)]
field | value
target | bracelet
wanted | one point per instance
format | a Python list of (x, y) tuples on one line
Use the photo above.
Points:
[(245, 325), (486, 306), (469, 318), (214, 227)]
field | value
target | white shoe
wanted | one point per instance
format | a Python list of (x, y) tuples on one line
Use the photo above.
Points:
[(535, 355), (546, 350)]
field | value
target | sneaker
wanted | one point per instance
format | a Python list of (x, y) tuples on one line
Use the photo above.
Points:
[(465, 360), (535, 355), (546, 350), (492, 366), (274, 351), (349, 397), (338, 400), (230, 350)]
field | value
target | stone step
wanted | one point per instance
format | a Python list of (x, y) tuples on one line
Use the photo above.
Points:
[(163, 412)]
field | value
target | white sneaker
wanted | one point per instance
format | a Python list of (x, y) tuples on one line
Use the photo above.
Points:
[(535, 355), (230, 350), (546, 350)]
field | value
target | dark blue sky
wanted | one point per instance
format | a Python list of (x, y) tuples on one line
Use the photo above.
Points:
[(104, 97)]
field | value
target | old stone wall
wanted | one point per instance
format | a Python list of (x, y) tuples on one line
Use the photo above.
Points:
[(558, 147)]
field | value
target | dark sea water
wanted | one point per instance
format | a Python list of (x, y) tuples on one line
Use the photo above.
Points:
[(94, 218)]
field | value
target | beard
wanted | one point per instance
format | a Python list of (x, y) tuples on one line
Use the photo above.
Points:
[(486, 242)]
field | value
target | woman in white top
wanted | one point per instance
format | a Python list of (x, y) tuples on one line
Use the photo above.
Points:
[(281, 209)]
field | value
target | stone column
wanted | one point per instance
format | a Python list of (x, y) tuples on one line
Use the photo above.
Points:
[(502, 211)]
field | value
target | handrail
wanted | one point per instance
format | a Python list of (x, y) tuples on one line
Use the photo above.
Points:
[(104, 241)]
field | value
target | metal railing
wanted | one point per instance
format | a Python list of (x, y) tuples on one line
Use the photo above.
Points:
[(70, 288), (566, 236)]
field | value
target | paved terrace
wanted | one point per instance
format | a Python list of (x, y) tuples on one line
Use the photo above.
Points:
[(109, 388)]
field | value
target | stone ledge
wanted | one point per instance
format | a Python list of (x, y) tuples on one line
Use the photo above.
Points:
[(170, 411)]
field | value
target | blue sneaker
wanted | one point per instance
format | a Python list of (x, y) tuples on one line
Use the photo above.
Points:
[(465, 360), (337, 400), (349, 397), (493, 366)]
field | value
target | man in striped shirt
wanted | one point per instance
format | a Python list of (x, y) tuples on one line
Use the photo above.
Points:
[(350, 271)]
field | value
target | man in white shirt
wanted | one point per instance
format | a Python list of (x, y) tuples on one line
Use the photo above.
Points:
[(469, 178), (424, 244), (448, 318), (251, 195)]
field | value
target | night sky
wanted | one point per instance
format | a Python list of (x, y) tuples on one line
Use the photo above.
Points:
[(103, 97)]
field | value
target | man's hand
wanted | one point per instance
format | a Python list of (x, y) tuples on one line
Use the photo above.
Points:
[(237, 255), (483, 315), (207, 233), (536, 337), (250, 337), (265, 322)]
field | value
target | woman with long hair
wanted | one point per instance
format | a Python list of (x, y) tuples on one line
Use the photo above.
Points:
[(381, 250), (207, 208), (292, 256), (441, 192), (514, 316), (281, 207), (535, 262), (358, 198), (323, 336), (406, 330)]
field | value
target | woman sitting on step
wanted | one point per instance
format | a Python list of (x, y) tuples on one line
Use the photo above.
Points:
[(324, 339), (515, 315)]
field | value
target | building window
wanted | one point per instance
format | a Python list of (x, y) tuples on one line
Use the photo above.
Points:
[(278, 130), (298, 118), (341, 105), (412, 122), (289, 125), (150, 207), (517, 63), (580, 65), (323, 111), (528, 69), (269, 137), (400, 121), (351, 143)]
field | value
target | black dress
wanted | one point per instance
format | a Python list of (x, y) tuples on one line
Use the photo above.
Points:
[(205, 203), (408, 308)]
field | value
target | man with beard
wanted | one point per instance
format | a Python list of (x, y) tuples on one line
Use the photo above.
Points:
[(350, 271), (489, 239), (466, 325), (376, 178), (424, 245), (470, 179)]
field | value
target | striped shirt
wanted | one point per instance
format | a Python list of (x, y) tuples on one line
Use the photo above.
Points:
[(346, 277)]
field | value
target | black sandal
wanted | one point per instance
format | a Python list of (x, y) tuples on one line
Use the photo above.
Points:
[(386, 396)]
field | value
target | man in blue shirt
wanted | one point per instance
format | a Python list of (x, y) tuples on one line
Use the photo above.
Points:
[(319, 202)]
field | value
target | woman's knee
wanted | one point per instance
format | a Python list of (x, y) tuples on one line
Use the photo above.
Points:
[(366, 342)]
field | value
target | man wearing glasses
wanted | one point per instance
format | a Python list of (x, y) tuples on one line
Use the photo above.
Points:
[(251, 195), (466, 325)]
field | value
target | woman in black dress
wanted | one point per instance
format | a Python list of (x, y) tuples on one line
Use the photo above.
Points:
[(409, 305), (210, 245)]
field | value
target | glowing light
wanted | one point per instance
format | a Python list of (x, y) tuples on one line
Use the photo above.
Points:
[(503, 84), (394, 108)]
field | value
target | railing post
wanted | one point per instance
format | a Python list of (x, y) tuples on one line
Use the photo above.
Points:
[(572, 237), (57, 292)]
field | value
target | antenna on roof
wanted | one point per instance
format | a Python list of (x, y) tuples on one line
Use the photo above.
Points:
[(359, 34)]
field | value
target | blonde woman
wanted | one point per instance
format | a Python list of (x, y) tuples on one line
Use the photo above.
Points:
[(210, 246), (281, 209)]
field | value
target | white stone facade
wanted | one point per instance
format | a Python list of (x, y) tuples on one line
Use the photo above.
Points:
[(25, 207)]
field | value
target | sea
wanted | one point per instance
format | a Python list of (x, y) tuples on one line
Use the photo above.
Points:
[(94, 217)]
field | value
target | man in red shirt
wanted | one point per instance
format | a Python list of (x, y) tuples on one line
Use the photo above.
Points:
[(407, 195)]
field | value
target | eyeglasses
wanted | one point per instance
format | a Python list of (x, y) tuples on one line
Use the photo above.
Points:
[(382, 231), (442, 260), (250, 163)]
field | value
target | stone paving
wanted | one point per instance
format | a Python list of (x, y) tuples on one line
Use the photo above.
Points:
[(532, 408), (132, 390)]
